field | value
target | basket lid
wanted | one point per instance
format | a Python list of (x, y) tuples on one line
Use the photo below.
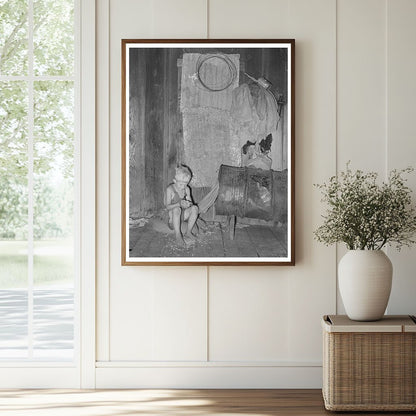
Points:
[(390, 323)]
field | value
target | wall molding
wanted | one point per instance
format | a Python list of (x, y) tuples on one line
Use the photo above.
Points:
[(204, 364), (207, 377), (103, 179), (87, 195)]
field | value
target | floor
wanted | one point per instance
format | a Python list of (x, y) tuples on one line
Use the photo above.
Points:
[(152, 238), (165, 402)]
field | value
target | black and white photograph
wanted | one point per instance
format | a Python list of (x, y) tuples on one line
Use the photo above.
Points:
[(208, 152)]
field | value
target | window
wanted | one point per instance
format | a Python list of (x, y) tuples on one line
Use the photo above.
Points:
[(38, 185)]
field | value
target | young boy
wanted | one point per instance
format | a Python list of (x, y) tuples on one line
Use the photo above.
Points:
[(180, 205)]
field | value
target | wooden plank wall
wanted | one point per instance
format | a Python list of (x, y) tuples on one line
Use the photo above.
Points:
[(155, 127), (265, 63), (137, 131), (173, 132)]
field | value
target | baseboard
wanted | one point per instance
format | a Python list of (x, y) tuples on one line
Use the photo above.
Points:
[(210, 377)]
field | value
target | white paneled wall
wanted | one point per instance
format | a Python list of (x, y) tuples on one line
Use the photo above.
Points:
[(254, 326), (361, 84), (401, 132), (361, 88)]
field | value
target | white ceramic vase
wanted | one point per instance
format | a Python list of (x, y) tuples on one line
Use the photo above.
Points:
[(364, 278)]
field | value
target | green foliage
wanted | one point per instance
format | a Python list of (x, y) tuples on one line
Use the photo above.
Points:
[(13, 37), (365, 215), (54, 126), (13, 159), (53, 37), (53, 208), (13, 129), (13, 208)]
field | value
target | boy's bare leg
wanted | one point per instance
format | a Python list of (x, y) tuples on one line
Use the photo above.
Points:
[(176, 214), (193, 215)]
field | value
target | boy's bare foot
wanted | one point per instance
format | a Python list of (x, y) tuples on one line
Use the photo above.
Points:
[(180, 241)]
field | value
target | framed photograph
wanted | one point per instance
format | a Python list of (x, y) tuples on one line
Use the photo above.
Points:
[(208, 153)]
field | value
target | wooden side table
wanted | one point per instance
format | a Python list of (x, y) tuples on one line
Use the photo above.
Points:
[(369, 366)]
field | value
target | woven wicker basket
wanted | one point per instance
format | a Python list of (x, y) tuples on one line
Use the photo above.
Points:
[(369, 366)]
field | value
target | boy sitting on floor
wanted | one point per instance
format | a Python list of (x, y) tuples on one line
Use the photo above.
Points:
[(180, 206)]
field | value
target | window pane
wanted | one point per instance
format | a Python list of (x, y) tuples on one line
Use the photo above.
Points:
[(53, 176), (53, 197), (53, 37), (13, 324), (53, 319), (13, 219), (13, 37), (13, 162), (13, 128)]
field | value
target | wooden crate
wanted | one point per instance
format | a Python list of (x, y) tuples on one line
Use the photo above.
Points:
[(369, 366)]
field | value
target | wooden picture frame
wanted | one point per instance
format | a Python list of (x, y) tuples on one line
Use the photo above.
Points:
[(208, 152)]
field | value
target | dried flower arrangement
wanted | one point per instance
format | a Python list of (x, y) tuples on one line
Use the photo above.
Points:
[(366, 215)]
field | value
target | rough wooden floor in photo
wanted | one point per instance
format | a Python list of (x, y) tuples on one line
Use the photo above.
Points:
[(154, 239), (165, 402)]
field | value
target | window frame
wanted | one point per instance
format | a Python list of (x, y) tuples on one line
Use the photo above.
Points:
[(81, 371)]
